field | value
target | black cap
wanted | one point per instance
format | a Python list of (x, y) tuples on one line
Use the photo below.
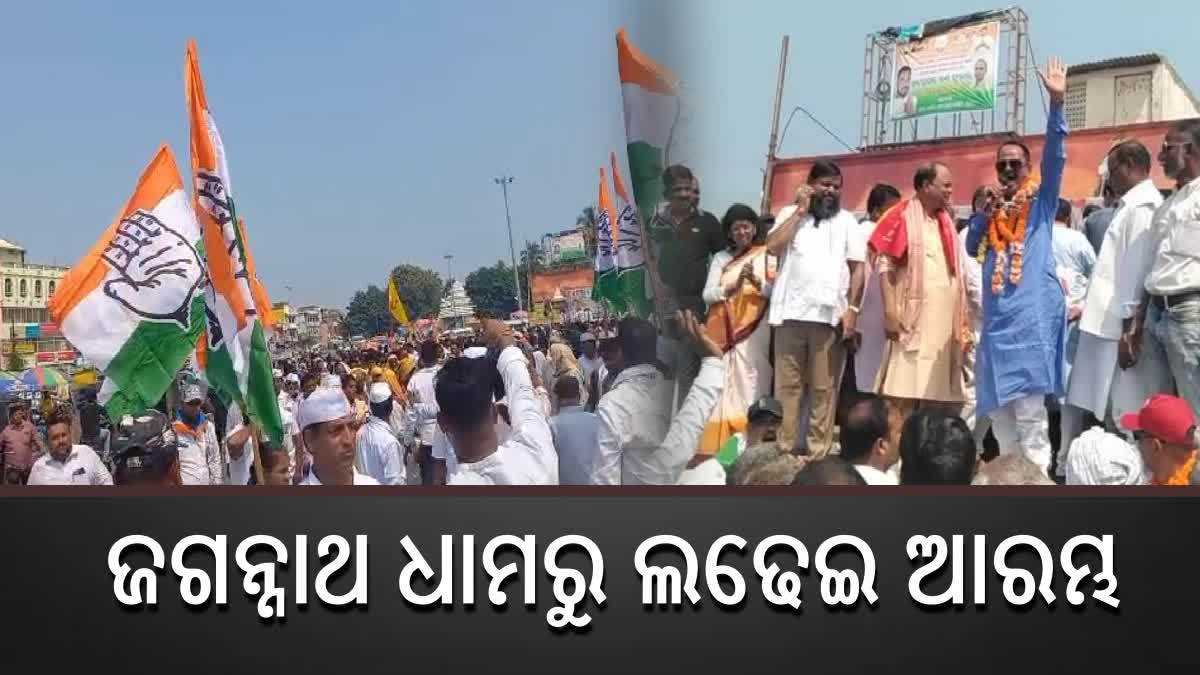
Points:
[(765, 406), (143, 444)]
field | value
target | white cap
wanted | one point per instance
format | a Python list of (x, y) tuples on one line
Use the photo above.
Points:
[(475, 352), (380, 392), (323, 405), (292, 378), (276, 373), (1101, 458), (192, 392), (587, 337)]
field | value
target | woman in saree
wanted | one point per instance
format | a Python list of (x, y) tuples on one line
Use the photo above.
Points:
[(737, 291)]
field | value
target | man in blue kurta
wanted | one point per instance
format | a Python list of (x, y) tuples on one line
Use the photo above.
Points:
[(1019, 360)]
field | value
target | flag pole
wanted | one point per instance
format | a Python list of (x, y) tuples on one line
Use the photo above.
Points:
[(258, 463)]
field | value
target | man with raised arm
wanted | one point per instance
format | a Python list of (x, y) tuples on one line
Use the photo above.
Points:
[(1020, 356)]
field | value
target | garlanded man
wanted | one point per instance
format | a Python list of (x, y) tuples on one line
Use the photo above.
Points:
[(1020, 357)]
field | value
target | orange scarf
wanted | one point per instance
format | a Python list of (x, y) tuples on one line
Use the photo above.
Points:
[(1182, 474)]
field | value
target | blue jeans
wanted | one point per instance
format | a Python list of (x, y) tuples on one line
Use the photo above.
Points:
[(1178, 329)]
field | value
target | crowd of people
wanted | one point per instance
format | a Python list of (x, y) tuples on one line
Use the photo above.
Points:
[(1015, 346)]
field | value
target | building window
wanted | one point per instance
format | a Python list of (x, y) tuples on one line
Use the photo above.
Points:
[(8, 288), (24, 289), (50, 294), (37, 288), (1075, 105)]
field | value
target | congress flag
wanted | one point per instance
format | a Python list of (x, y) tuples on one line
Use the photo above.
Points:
[(134, 305), (604, 284), (630, 256), (650, 98), (237, 363)]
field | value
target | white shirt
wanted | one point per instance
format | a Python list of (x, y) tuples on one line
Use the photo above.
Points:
[(239, 469), (199, 456), (814, 278), (588, 366), (575, 434), (81, 467), (972, 276), (379, 452), (636, 445), (359, 479), (423, 398), (1124, 261), (874, 476), (1176, 243), (290, 430), (288, 402), (528, 456)]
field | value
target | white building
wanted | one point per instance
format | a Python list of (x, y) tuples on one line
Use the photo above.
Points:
[(1127, 90), (26, 328), (456, 307)]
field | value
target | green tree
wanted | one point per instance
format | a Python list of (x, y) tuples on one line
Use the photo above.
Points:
[(420, 288), (491, 290), (15, 363), (368, 314), (586, 222), (531, 256)]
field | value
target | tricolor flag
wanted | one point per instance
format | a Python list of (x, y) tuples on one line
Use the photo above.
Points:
[(237, 363), (631, 259), (134, 306), (651, 104), (604, 287), (395, 304)]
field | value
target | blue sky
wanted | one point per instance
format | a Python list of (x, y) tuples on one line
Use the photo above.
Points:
[(363, 135), (360, 135)]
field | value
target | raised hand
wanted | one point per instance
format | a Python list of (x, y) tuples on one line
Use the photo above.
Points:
[(698, 334), (803, 198), (497, 334), (160, 271), (1054, 79)]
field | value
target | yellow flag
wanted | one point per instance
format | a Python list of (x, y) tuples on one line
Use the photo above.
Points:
[(395, 304)]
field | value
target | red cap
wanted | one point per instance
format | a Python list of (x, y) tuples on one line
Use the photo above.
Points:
[(1165, 417)]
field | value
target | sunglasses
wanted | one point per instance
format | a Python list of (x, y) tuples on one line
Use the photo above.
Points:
[(1013, 164), (1167, 147)]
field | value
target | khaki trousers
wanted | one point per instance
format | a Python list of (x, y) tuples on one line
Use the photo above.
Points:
[(807, 358)]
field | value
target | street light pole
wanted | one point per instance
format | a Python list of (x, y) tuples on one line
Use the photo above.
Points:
[(503, 181)]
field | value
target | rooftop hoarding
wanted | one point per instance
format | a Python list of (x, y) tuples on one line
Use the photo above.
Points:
[(563, 248), (950, 72)]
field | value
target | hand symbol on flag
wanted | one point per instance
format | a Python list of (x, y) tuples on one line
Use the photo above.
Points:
[(159, 270), (214, 199)]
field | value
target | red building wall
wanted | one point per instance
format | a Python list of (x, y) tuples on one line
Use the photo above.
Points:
[(971, 161)]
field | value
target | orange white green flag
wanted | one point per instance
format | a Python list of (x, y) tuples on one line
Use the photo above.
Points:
[(628, 250), (234, 353), (134, 305), (604, 284), (650, 98)]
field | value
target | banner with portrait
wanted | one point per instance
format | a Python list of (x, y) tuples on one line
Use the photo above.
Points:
[(949, 72)]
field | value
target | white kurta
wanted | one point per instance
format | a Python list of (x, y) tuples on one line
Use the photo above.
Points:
[(1113, 295), (528, 456)]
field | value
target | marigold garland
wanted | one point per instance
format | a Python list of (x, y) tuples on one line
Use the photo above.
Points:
[(1006, 236)]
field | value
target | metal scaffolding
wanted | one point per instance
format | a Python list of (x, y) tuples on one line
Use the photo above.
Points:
[(877, 129)]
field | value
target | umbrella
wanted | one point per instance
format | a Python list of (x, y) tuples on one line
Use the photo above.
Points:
[(42, 378), (10, 384)]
